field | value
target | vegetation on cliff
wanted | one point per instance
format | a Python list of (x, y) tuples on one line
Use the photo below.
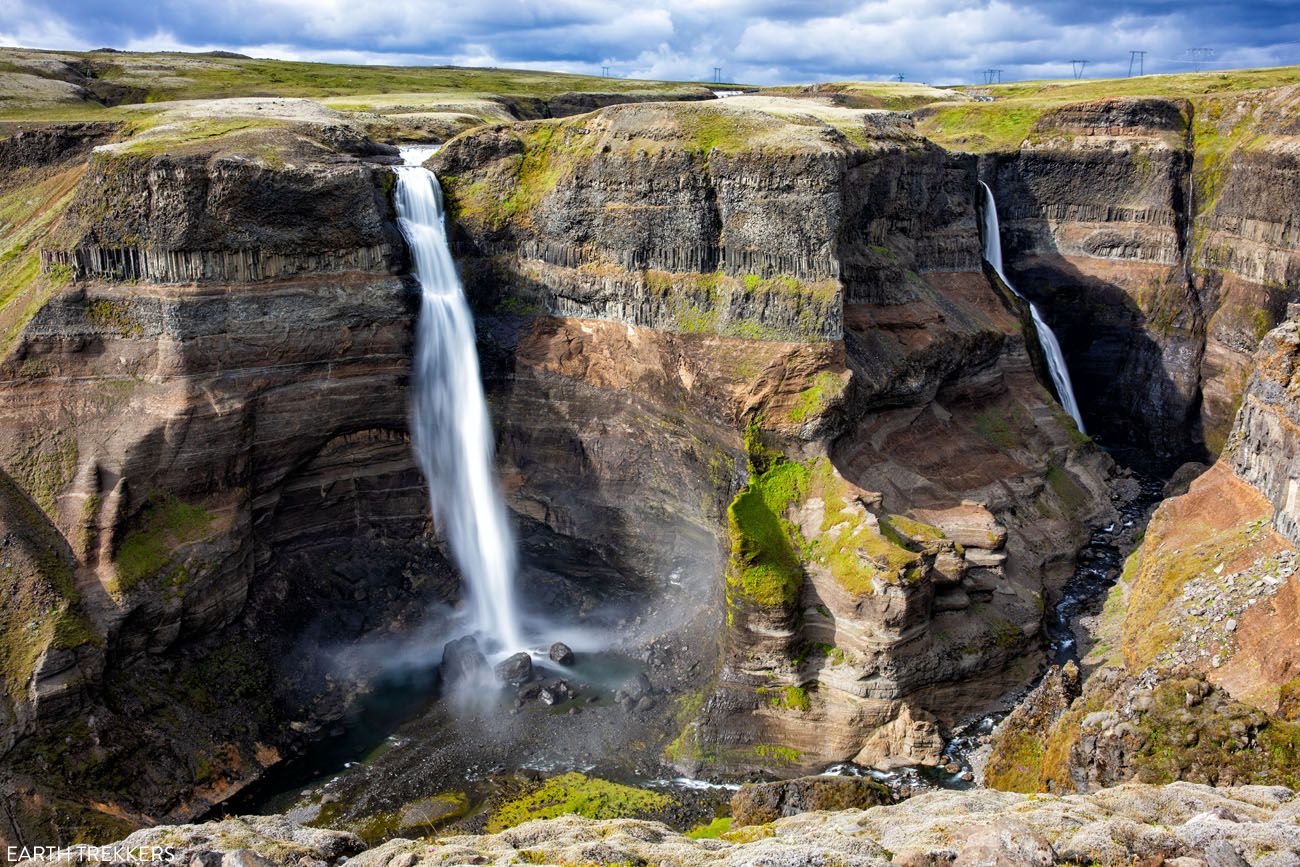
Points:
[(42, 609), (771, 545)]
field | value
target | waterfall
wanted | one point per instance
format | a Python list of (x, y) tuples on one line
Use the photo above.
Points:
[(1046, 337), (450, 427)]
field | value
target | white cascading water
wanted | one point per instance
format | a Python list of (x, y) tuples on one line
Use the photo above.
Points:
[(1046, 337), (450, 427)]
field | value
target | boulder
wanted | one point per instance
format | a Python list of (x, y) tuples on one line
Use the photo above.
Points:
[(760, 803), (515, 670), (462, 660), (561, 654), (637, 687)]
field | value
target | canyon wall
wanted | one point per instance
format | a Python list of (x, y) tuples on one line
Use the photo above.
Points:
[(1159, 235), (797, 311), (1195, 668), (214, 453)]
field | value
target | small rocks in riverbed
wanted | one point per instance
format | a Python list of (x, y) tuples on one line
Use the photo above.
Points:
[(556, 693), (561, 654)]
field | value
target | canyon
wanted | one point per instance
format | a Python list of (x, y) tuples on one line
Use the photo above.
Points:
[(771, 433)]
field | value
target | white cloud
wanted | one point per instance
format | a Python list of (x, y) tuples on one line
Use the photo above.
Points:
[(763, 41)]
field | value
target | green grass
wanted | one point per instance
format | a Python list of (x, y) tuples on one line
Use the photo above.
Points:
[(792, 698), (169, 75), (162, 527), (858, 554), (712, 831), (579, 795), (1010, 119), (1071, 494), (777, 754), (813, 400), (27, 214)]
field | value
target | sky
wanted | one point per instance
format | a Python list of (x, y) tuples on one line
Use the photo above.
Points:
[(753, 41)]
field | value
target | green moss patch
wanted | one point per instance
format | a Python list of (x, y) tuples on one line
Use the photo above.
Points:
[(711, 831), (579, 795), (162, 527), (814, 399), (764, 567)]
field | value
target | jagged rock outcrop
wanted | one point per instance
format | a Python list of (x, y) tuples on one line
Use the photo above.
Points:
[(1183, 825), (1265, 444)]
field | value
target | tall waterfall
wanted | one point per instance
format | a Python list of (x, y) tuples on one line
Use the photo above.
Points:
[(450, 427), (1046, 337)]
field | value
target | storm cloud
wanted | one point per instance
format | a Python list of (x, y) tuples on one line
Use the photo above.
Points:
[(758, 41)]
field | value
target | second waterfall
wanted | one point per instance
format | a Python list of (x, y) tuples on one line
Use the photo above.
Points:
[(450, 427), (1046, 337)]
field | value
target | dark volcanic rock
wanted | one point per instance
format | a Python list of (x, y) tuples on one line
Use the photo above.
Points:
[(516, 670), (561, 653), (462, 660), (761, 803)]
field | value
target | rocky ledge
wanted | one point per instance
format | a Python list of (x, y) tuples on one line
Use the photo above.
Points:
[(1181, 825)]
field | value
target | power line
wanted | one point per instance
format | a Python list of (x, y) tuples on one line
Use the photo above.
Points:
[(1079, 66), (1200, 56), (1140, 58)]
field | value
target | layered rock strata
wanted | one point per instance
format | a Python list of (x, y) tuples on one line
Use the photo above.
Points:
[(1156, 233), (819, 290)]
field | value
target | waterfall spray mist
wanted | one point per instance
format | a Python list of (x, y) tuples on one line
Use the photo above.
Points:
[(1046, 337), (450, 427)]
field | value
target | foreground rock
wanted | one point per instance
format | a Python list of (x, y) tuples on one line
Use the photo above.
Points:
[(1254, 825), (767, 802)]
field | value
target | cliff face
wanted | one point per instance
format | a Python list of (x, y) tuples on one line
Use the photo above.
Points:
[(1196, 656), (216, 456), (1156, 231), (1264, 447), (699, 273)]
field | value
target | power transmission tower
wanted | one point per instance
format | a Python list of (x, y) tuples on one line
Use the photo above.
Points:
[(898, 77), (998, 74), (717, 75), (992, 76), (604, 72), (1200, 57), (1079, 66), (1138, 57)]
